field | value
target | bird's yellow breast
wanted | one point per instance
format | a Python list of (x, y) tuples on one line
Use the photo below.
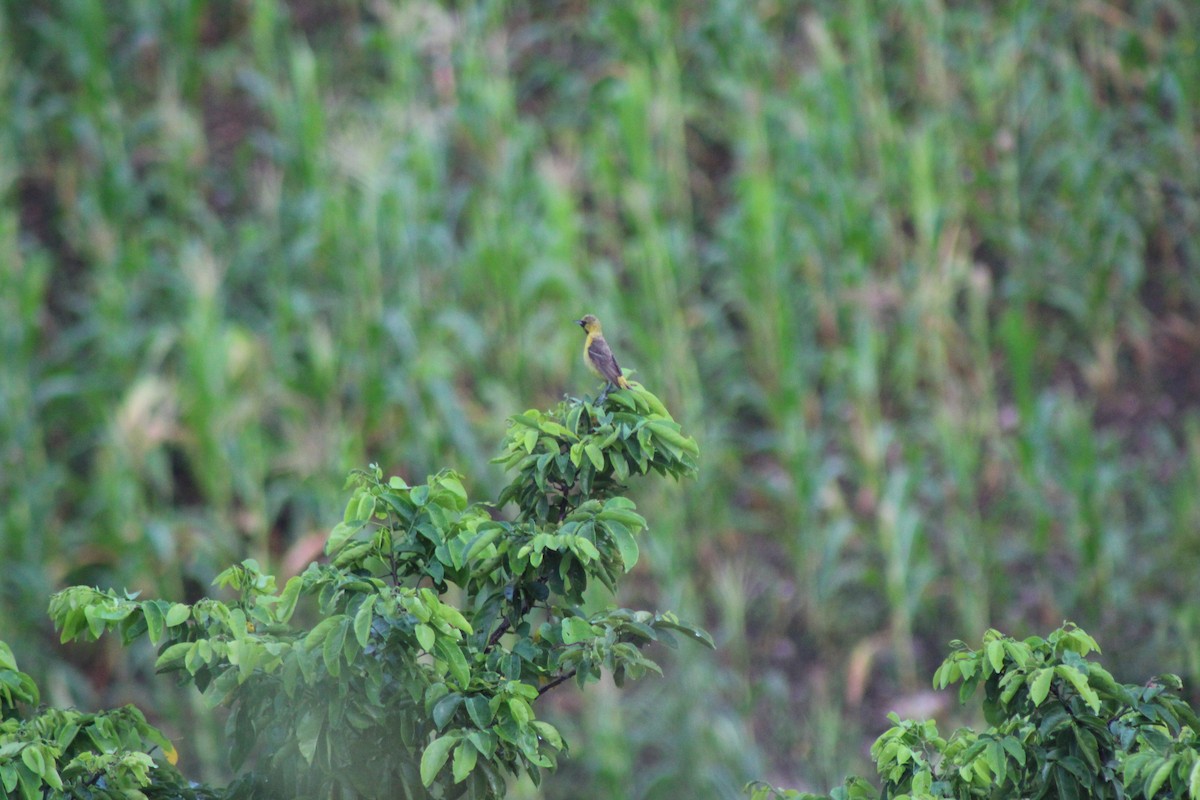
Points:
[(587, 358)]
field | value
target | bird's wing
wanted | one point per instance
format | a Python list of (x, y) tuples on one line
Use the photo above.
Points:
[(605, 362)]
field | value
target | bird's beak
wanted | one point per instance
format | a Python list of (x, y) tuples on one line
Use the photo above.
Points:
[(579, 322)]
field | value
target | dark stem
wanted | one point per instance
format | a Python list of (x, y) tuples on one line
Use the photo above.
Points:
[(566, 676), (501, 629), (506, 622), (564, 503), (1057, 692)]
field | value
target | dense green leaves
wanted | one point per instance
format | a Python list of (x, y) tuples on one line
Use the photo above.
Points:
[(435, 627), (15, 686), (583, 451), (1060, 726), (67, 753)]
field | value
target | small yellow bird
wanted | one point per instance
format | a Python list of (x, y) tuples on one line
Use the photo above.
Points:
[(598, 356)]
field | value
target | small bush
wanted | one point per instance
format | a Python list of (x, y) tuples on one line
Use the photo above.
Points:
[(1059, 726), (109, 754)]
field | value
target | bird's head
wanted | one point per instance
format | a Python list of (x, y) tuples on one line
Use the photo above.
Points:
[(589, 323)]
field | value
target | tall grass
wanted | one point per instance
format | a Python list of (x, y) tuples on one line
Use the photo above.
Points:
[(922, 279)]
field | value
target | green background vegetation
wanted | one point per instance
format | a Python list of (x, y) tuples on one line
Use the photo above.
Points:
[(923, 279)]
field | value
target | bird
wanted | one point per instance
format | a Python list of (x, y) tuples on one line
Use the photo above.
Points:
[(598, 356)]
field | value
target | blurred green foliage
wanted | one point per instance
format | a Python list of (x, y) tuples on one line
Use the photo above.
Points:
[(923, 278)]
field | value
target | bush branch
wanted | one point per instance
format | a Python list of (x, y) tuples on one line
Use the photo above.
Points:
[(566, 676)]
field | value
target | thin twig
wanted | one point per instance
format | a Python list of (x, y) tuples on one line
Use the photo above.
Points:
[(566, 676), (501, 629)]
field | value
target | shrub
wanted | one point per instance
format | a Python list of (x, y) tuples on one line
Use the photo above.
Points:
[(108, 754), (1059, 726)]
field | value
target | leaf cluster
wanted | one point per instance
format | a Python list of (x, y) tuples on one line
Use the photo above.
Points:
[(411, 663), (1060, 726), (587, 450), (108, 754)]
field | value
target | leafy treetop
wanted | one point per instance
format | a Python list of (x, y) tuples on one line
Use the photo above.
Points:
[(410, 664)]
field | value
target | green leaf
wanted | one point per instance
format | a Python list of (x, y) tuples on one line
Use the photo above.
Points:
[(699, 634), (594, 455), (433, 694), (332, 647), (444, 709), (630, 519), (584, 547), (307, 731), (340, 534), (449, 652), (922, 782), (434, 757), (1014, 749), (8, 777), (154, 620), (652, 402), (626, 544), (366, 506), (484, 741), (32, 758), (321, 630), (1018, 652), (996, 760), (520, 710), (453, 488), (1079, 681), (480, 710), (464, 760), (1194, 781), (995, 655), (619, 464), (668, 433), (288, 599), (177, 615), (1088, 747), (363, 619), (554, 429), (618, 502), (576, 629), (1160, 776), (453, 616), (622, 399), (941, 675), (1039, 685), (530, 418), (548, 732), (1010, 684), (482, 540), (426, 636), (54, 780), (173, 654)]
